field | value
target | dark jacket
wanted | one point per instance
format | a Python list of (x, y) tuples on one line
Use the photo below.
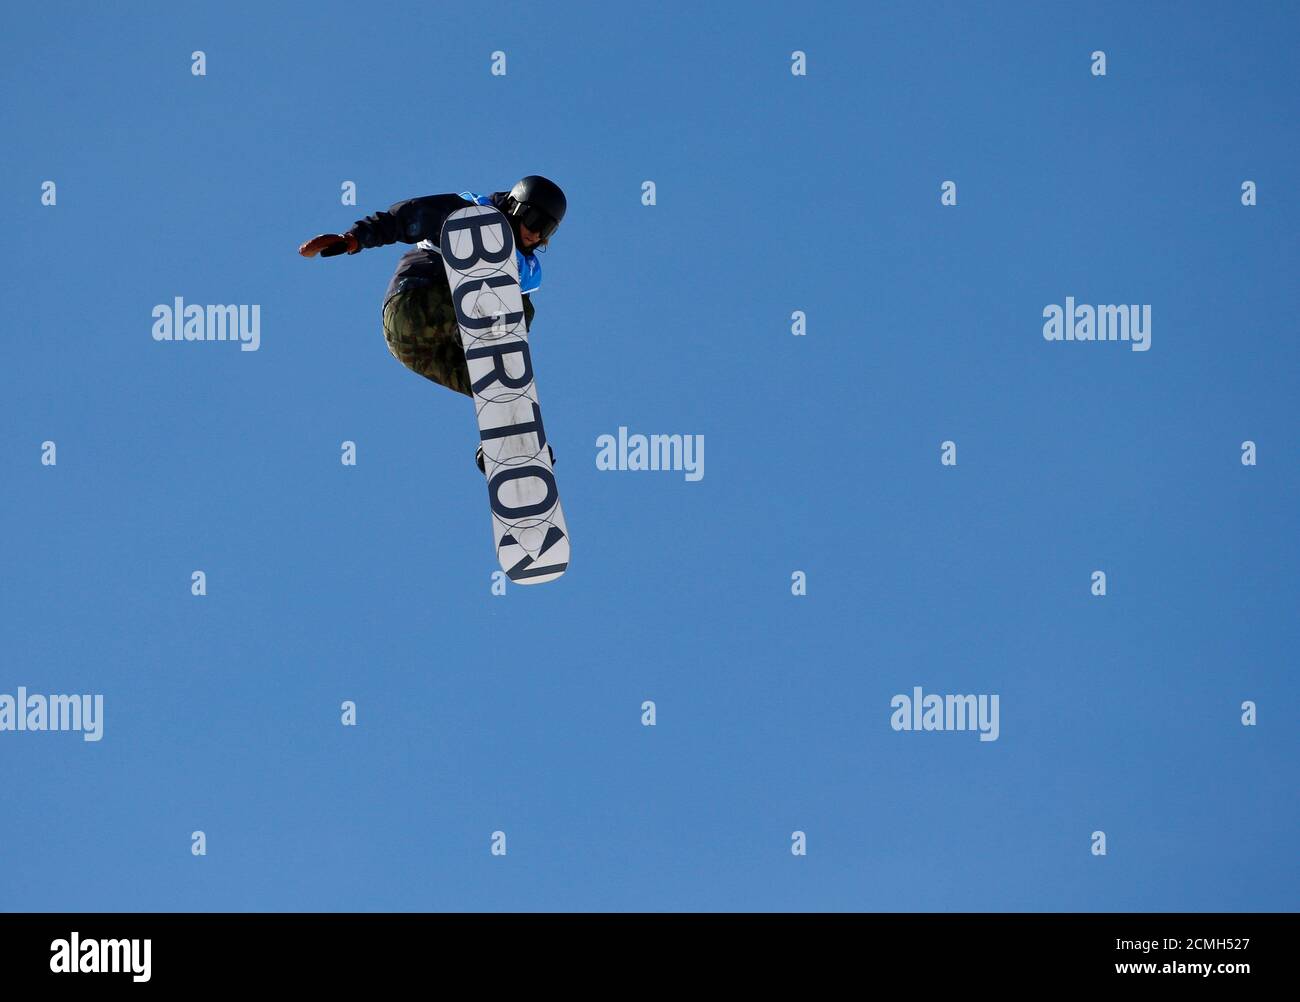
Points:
[(414, 220)]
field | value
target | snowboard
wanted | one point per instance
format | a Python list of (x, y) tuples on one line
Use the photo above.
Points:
[(478, 252)]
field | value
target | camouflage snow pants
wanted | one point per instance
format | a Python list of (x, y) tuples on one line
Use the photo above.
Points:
[(421, 331)]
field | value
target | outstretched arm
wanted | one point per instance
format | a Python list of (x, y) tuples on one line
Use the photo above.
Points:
[(409, 222)]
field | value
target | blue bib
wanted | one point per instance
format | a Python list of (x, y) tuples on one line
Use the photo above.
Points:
[(530, 269)]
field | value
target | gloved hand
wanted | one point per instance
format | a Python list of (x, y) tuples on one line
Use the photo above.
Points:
[(330, 244)]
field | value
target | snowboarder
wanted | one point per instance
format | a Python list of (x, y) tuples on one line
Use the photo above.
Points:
[(419, 320)]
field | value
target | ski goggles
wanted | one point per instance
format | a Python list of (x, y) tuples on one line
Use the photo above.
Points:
[(535, 219)]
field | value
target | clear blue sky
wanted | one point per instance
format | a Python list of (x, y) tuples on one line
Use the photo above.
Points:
[(522, 713)]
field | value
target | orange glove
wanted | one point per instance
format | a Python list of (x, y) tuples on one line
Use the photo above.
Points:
[(330, 244)]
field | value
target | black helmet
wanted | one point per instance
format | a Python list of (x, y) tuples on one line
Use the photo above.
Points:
[(537, 203)]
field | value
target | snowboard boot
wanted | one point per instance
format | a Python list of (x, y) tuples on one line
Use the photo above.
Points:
[(478, 457)]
